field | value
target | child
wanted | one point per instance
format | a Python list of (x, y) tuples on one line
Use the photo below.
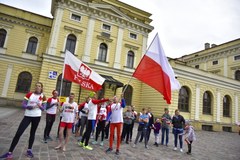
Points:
[(156, 127), (190, 136)]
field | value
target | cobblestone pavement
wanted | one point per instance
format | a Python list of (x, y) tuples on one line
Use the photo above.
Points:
[(209, 145)]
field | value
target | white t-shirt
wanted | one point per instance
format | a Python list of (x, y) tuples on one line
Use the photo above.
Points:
[(116, 116), (34, 99), (102, 115), (92, 114), (85, 108), (68, 114), (53, 109)]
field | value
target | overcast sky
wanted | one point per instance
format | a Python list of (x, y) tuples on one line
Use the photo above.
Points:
[(183, 25)]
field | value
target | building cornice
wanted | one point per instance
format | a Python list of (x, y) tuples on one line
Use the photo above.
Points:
[(20, 60), (25, 23), (91, 10)]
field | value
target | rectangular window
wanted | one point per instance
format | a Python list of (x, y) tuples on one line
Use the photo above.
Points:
[(76, 17), (106, 27), (197, 66), (133, 35), (215, 62), (237, 57), (227, 129), (207, 128)]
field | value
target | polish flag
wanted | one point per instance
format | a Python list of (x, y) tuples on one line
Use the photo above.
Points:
[(78, 72), (155, 70)]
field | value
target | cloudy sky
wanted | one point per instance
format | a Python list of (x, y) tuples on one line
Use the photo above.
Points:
[(183, 25)]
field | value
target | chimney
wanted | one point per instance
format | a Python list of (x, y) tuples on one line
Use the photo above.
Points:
[(207, 45), (213, 45)]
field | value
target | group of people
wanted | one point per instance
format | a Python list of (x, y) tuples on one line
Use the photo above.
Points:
[(96, 116)]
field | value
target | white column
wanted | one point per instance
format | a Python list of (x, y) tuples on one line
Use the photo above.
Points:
[(55, 31), (197, 102), (7, 80), (225, 67), (144, 45), (218, 106), (236, 109), (117, 60), (88, 42)]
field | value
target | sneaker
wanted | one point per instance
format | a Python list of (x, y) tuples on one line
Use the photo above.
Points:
[(134, 145), (87, 147), (157, 145), (117, 152), (94, 142), (146, 147), (7, 155), (44, 140), (81, 144), (49, 138), (188, 153), (175, 148), (127, 142), (29, 153), (181, 150), (109, 150), (101, 143)]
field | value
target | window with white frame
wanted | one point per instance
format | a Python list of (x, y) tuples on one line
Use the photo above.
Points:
[(133, 35), (3, 34), (76, 17), (102, 55), (71, 43), (237, 57), (215, 62), (106, 27), (32, 45), (130, 59)]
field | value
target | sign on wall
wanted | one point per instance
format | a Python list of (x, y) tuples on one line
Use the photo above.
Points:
[(52, 74)]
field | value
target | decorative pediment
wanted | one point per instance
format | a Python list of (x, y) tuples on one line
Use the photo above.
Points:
[(110, 10)]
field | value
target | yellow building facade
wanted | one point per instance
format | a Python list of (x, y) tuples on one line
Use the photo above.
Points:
[(111, 38)]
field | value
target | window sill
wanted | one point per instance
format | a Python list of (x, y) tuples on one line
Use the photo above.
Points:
[(125, 68), (102, 63), (3, 50), (29, 56)]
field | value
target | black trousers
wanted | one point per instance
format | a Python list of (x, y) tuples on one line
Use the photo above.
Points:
[(107, 130), (50, 119), (87, 133), (22, 127), (190, 147), (100, 128), (126, 131), (131, 130)]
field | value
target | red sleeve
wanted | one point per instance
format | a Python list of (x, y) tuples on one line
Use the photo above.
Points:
[(27, 96), (81, 106), (49, 100), (95, 101)]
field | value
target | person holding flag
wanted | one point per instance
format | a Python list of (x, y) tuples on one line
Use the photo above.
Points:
[(116, 116)]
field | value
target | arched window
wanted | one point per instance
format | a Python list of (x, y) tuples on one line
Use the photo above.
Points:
[(183, 99), (71, 43), (66, 86), (24, 82), (207, 103), (102, 56), (3, 34), (130, 59), (32, 45), (226, 106), (128, 94), (237, 75)]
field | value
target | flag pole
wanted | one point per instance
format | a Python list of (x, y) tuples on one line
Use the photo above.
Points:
[(60, 94)]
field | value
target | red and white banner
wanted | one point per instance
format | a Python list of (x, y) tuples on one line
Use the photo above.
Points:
[(155, 70), (78, 72)]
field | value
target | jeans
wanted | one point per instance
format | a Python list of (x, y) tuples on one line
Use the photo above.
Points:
[(165, 130)]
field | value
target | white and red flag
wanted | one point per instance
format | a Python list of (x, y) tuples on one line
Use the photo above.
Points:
[(155, 70), (78, 72)]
